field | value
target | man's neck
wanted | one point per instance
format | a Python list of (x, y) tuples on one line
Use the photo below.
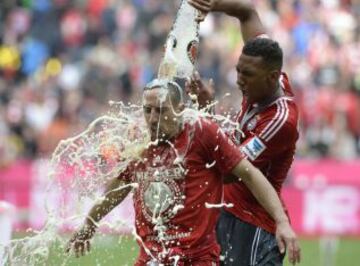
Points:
[(277, 93)]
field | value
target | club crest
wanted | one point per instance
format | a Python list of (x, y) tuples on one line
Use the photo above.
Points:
[(192, 50), (252, 124)]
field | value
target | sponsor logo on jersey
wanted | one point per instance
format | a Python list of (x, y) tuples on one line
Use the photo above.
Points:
[(253, 148)]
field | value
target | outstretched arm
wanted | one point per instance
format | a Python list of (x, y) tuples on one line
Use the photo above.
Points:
[(268, 198), (251, 27), (115, 193), (243, 10)]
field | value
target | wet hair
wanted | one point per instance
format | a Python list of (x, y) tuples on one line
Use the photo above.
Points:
[(268, 49), (175, 91)]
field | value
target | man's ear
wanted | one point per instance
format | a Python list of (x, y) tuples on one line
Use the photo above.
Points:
[(274, 76)]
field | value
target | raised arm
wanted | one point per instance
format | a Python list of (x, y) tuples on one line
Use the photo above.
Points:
[(115, 193), (243, 10), (268, 198)]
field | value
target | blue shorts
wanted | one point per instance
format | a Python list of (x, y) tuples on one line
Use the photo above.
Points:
[(243, 244)]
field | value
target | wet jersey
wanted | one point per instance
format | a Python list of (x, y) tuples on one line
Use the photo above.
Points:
[(176, 182)]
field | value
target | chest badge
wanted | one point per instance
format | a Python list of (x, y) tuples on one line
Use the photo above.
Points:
[(252, 123)]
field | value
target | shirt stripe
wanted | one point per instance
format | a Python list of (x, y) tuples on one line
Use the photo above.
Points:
[(254, 245), (281, 124), (273, 120), (277, 122)]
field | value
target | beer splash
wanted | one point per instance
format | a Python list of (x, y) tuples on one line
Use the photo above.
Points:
[(110, 142), (85, 163), (80, 168)]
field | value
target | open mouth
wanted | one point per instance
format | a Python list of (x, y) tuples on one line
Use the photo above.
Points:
[(243, 90), (241, 87), (154, 127), (155, 132)]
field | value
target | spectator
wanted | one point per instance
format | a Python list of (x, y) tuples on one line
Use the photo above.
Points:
[(119, 46)]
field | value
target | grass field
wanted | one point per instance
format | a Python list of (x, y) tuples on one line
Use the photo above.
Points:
[(122, 251)]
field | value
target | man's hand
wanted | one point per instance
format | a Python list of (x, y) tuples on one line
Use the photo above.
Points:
[(204, 7), (200, 93), (286, 239), (80, 241)]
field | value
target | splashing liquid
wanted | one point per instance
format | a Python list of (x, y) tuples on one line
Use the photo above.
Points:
[(81, 166), (84, 164)]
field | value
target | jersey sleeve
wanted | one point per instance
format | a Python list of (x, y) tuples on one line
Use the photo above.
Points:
[(220, 148), (273, 135)]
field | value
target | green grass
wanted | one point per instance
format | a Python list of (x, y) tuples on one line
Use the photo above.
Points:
[(105, 251), (348, 253), (112, 250)]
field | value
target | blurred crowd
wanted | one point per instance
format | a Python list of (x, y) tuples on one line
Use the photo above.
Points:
[(61, 61)]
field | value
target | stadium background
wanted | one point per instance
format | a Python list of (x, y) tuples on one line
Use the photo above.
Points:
[(61, 61)]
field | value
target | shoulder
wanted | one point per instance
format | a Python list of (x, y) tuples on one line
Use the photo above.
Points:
[(208, 132), (206, 125), (281, 116)]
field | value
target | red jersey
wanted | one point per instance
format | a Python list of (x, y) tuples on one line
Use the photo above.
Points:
[(270, 134), (176, 180)]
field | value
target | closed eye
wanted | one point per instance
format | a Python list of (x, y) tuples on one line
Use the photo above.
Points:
[(147, 109), (247, 73)]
